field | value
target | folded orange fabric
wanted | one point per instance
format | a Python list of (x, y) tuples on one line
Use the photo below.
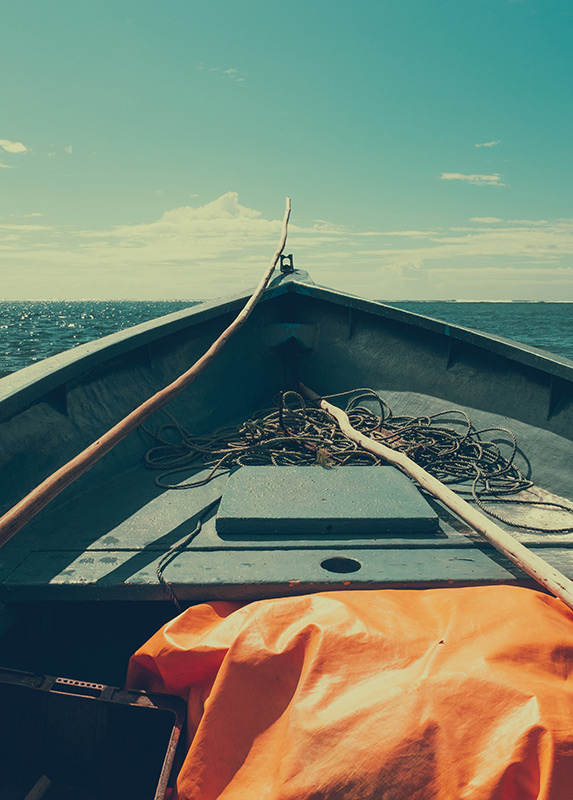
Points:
[(461, 694)]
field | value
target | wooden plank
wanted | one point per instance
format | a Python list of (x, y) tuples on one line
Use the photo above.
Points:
[(129, 575), (131, 513), (312, 500)]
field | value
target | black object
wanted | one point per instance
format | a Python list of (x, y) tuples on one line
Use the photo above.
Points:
[(286, 264), (91, 741)]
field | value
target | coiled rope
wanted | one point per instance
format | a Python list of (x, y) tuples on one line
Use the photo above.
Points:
[(294, 433)]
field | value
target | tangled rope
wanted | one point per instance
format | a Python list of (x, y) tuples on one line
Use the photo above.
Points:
[(294, 433)]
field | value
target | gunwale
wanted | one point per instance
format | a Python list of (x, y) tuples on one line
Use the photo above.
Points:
[(22, 388)]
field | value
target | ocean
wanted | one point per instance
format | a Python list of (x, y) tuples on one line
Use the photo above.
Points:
[(33, 330)]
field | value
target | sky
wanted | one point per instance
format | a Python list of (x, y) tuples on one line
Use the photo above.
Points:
[(146, 149)]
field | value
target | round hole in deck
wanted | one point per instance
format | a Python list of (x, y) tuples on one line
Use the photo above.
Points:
[(341, 564)]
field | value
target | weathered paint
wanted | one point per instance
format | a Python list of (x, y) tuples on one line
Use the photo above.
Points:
[(339, 500)]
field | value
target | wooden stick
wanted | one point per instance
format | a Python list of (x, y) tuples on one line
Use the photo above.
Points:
[(39, 497), (39, 789), (549, 577)]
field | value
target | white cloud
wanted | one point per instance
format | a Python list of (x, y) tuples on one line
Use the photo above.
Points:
[(527, 221), (478, 180), (69, 149), (223, 246), (234, 75), (5, 166), (489, 144), (13, 147), (19, 216), (224, 215), (230, 73), (26, 228), (407, 234)]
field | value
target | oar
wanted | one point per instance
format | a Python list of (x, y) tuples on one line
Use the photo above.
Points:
[(549, 577), (39, 497)]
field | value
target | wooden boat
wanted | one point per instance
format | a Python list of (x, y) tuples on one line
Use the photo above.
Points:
[(79, 586), (94, 550)]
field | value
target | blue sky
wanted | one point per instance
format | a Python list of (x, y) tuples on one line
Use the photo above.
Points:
[(146, 149)]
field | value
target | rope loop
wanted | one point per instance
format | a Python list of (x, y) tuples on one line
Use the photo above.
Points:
[(445, 444)]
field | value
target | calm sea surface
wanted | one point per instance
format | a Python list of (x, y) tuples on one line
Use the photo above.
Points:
[(33, 330)]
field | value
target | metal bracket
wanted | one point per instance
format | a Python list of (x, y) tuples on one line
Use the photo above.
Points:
[(286, 264)]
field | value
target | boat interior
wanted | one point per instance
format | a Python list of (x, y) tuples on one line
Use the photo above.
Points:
[(79, 587)]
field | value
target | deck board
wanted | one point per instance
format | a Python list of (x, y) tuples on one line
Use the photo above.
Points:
[(201, 575), (105, 543)]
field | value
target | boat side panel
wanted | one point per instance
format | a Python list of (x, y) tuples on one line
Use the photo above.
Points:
[(357, 348), (41, 437)]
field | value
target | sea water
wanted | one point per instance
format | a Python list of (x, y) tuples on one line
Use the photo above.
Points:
[(33, 330), (548, 326)]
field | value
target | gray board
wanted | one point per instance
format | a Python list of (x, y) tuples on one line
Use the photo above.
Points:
[(313, 500)]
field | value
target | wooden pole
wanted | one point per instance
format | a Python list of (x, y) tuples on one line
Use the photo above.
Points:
[(39, 789), (39, 497), (549, 577)]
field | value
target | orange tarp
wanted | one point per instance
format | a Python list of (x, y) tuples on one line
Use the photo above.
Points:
[(461, 694)]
